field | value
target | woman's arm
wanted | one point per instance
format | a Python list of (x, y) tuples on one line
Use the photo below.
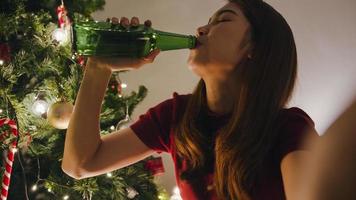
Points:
[(328, 170), (331, 172), (292, 167), (85, 153)]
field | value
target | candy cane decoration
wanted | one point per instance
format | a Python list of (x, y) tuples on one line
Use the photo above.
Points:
[(62, 16), (10, 157)]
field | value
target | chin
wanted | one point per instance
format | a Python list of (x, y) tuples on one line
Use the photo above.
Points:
[(197, 59), (196, 67)]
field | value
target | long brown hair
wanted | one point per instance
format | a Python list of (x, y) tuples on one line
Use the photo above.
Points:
[(244, 143)]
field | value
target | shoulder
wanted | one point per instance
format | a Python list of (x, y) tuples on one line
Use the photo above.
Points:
[(180, 98), (294, 116), (295, 121), (172, 107), (176, 101), (296, 128)]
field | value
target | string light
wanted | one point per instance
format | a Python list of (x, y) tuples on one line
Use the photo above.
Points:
[(49, 190), (14, 150), (109, 174), (131, 192), (1, 62), (60, 35), (176, 190), (123, 85), (112, 128), (176, 194), (65, 197), (39, 107), (34, 187), (1, 111)]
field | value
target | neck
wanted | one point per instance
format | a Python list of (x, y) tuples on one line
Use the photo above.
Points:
[(221, 95)]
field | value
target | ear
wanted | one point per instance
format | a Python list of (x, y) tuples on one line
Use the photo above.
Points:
[(247, 44), (248, 49)]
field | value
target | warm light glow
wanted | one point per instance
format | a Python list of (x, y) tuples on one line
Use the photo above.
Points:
[(176, 194), (60, 35), (112, 128), (39, 107), (176, 190), (66, 197), (49, 190), (1, 111), (34, 187), (109, 174), (123, 85), (1, 62), (14, 150)]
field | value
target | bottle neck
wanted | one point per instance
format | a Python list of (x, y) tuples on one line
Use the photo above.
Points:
[(170, 41)]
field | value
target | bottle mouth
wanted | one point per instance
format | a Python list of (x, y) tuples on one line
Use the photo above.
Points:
[(194, 42)]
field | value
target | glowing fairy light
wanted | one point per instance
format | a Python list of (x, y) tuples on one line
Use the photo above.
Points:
[(14, 150), (60, 35), (176, 194), (123, 85), (34, 187), (39, 107)]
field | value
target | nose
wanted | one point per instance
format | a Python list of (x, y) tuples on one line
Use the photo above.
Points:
[(203, 30)]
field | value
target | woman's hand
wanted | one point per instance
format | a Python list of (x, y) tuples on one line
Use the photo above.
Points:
[(119, 63)]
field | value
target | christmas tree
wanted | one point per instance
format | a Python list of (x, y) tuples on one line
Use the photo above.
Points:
[(39, 81)]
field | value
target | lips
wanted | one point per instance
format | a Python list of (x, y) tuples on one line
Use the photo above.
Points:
[(199, 43)]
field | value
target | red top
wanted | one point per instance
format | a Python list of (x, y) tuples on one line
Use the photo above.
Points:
[(155, 129)]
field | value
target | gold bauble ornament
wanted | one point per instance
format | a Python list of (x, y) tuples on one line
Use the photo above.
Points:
[(58, 114)]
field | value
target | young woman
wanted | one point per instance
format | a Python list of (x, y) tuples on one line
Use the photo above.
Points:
[(232, 138)]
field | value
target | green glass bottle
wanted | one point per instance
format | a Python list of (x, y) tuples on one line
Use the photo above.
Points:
[(107, 39)]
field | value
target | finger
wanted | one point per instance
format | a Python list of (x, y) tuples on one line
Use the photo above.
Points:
[(148, 23), (150, 57), (124, 22), (155, 52), (135, 21), (115, 20)]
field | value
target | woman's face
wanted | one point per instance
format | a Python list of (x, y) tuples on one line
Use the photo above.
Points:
[(220, 50)]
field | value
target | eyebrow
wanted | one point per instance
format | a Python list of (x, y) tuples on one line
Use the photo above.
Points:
[(220, 12)]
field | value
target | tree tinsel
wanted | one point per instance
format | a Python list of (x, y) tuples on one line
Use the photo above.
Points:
[(38, 64)]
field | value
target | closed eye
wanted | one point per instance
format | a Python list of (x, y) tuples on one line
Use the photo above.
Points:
[(223, 20), (218, 21)]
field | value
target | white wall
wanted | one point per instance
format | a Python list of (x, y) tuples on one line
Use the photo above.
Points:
[(325, 34)]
